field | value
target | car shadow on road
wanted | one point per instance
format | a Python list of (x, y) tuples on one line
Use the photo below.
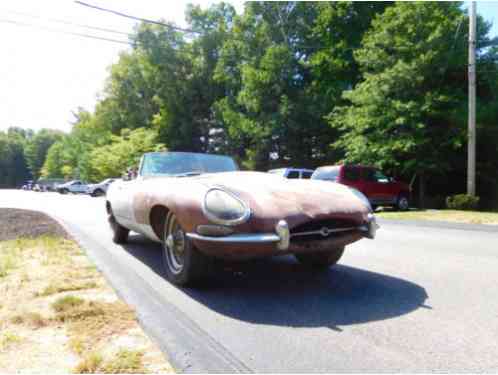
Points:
[(279, 291)]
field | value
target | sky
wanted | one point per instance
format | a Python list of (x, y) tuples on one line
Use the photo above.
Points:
[(45, 76), (489, 10)]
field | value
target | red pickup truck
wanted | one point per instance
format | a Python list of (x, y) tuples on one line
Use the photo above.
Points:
[(377, 187)]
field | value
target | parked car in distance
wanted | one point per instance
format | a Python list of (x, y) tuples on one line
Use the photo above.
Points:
[(201, 207), (48, 184), (100, 189), (75, 186), (292, 172), (380, 189), (28, 185)]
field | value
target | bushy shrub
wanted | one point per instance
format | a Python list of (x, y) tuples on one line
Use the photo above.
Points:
[(462, 202)]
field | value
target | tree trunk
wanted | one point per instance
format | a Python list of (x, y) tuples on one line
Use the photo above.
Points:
[(421, 191)]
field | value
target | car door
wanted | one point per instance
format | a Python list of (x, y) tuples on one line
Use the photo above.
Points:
[(351, 177), (378, 186), (75, 187), (82, 187)]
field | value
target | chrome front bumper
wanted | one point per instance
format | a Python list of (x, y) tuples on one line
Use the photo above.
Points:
[(282, 235)]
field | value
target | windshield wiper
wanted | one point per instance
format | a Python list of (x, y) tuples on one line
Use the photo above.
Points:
[(188, 174)]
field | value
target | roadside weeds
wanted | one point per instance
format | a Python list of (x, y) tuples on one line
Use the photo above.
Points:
[(57, 314), (455, 216)]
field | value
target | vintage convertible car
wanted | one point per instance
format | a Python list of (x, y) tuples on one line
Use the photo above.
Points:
[(201, 207)]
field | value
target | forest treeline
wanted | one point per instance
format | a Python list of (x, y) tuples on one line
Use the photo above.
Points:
[(290, 84)]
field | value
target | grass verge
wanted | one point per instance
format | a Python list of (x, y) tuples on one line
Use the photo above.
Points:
[(57, 314), (456, 216), (125, 361)]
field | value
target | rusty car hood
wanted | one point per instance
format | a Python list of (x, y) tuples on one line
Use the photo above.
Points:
[(269, 196), (274, 197)]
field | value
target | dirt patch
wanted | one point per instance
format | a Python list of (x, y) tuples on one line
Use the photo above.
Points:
[(15, 223)]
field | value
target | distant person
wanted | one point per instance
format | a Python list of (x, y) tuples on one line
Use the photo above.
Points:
[(134, 172), (131, 173)]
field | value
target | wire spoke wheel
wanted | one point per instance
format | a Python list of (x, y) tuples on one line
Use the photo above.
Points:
[(98, 193), (174, 245), (184, 264)]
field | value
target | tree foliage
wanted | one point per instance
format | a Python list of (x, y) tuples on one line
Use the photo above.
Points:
[(122, 152), (408, 113), (14, 170), (37, 147), (294, 83)]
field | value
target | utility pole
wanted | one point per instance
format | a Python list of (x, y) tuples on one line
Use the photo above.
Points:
[(471, 158)]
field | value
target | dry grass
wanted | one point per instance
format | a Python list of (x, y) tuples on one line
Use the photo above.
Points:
[(8, 260), (471, 217), (30, 318), (8, 339), (68, 287), (90, 364), (89, 323), (54, 296), (67, 304), (125, 361)]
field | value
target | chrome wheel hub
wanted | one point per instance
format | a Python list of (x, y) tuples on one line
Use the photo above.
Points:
[(174, 245)]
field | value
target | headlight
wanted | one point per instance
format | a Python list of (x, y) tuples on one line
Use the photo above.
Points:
[(222, 207), (363, 198)]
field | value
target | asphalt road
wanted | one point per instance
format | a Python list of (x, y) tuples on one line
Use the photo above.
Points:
[(416, 299)]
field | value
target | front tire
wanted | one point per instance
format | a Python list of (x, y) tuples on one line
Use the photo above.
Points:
[(98, 193), (322, 259), (183, 263)]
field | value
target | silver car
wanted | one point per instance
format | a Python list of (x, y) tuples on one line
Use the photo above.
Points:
[(100, 189)]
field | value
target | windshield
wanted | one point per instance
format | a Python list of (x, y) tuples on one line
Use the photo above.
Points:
[(327, 173), (185, 163)]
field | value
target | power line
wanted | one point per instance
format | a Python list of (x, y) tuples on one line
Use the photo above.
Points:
[(89, 36), (136, 18), (67, 22), (58, 31)]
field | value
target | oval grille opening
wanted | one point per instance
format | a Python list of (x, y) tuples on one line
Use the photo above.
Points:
[(322, 229)]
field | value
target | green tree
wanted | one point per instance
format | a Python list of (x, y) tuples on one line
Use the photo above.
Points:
[(124, 151), (13, 168), (70, 156), (129, 95), (183, 77), (408, 112), (37, 148), (284, 67), (54, 161)]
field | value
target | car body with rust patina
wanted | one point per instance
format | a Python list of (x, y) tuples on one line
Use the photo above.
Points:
[(202, 208)]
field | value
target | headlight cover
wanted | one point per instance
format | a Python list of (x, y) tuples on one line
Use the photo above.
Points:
[(223, 207), (362, 197)]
